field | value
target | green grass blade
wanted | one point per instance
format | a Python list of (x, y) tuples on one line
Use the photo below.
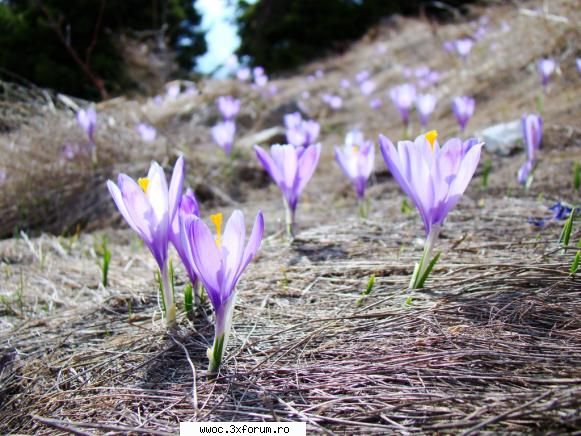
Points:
[(189, 299), (576, 262), (368, 289), (423, 279), (567, 229)]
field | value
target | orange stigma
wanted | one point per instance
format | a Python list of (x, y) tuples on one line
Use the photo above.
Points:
[(431, 137), (143, 182), (217, 221)]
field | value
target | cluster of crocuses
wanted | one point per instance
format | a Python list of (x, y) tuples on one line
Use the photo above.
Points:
[(335, 102), (433, 177), (162, 215), (300, 132), (223, 132), (404, 97)]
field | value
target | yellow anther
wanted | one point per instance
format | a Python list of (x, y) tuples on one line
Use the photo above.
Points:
[(431, 136), (355, 149), (217, 221), (144, 183)]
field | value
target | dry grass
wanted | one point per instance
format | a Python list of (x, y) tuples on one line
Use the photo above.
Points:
[(492, 345)]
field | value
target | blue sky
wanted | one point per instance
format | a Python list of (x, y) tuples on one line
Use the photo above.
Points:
[(222, 36)]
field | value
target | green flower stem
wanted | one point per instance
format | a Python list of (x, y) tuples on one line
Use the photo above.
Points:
[(421, 269), (222, 329), (363, 205), (289, 221), (406, 130), (167, 296), (197, 292), (215, 354)]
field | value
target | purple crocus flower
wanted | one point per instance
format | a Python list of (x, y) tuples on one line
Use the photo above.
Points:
[(425, 104), (243, 74), (299, 132), (367, 87), (223, 135), (335, 102), (421, 71), (146, 131), (546, 69), (261, 81), (87, 119), (173, 90), (463, 46), (463, 108), (578, 63), (375, 103), (433, 77), (345, 84), (559, 212), (260, 77), (228, 106), (362, 76), (291, 168), (433, 177), (480, 33), (532, 129), (356, 158), (69, 151), (293, 120), (149, 207), (188, 207), (403, 97), (449, 46), (220, 261)]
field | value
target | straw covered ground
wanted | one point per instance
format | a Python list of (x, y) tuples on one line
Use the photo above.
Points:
[(491, 345)]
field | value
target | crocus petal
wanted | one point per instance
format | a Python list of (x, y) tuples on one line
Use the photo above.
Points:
[(233, 248), (368, 162), (285, 158), (400, 170), (137, 206), (532, 127), (452, 154), (307, 166), (292, 120), (120, 202), (182, 245), (524, 171), (189, 204), (391, 156), (157, 191), (175, 187), (253, 243), (466, 170), (268, 164), (342, 161), (207, 258)]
